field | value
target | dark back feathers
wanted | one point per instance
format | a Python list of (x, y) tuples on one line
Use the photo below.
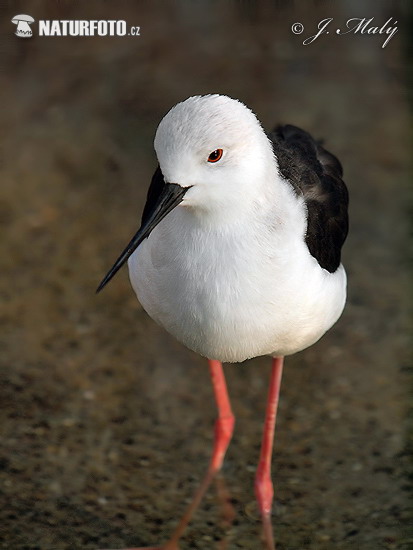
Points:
[(315, 174)]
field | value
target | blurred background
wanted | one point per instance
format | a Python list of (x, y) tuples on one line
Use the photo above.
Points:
[(106, 421)]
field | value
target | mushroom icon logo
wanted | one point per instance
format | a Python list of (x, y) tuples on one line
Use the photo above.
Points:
[(23, 23)]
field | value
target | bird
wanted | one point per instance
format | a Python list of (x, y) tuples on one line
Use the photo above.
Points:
[(238, 254)]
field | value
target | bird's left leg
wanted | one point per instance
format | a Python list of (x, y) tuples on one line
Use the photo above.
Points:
[(263, 485)]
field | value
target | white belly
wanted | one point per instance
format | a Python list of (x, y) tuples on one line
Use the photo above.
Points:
[(234, 295)]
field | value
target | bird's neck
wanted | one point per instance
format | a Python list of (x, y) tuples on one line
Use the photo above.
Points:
[(270, 208)]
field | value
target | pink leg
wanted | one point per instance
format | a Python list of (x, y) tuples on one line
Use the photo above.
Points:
[(263, 485), (224, 427)]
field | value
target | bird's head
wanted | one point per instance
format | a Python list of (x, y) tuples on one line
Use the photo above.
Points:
[(214, 157), (216, 147)]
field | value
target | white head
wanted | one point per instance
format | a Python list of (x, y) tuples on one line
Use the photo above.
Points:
[(216, 161), (216, 146)]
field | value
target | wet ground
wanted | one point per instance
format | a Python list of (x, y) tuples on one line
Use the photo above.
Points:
[(106, 421)]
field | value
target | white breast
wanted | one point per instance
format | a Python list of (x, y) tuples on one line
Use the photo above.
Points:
[(235, 292)]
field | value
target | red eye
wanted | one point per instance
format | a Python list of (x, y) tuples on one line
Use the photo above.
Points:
[(215, 155)]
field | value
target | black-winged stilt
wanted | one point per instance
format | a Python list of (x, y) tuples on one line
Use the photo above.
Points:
[(244, 253)]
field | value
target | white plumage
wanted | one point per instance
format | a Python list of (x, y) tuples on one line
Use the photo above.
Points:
[(228, 272)]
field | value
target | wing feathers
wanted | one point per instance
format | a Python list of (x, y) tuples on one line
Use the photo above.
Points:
[(316, 174)]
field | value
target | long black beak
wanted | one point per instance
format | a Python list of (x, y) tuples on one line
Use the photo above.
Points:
[(170, 195)]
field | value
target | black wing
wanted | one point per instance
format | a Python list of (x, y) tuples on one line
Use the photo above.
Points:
[(316, 174)]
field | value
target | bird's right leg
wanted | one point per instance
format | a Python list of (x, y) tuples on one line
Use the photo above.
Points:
[(224, 427)]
